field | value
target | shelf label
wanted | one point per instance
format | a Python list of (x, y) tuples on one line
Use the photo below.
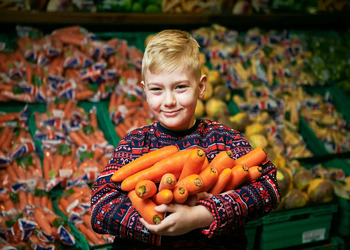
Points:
[(314, 235)]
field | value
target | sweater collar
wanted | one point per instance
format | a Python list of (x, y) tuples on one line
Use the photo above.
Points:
[(178, 133)]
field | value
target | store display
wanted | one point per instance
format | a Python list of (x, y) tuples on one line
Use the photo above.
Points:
[(76, 94)]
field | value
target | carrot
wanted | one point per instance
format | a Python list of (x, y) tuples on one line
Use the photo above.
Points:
[(193, 183), (83, 95), (76, 138), (209, 176), (205, 163), (84, 137), (67, 112), (223, 179), (121, 130), (168, 181), (112, 102), (143, 162), (42, 221), (145, 207), (145, 189), (22, 199), (47, 162), (239, 176), (193, 164), (163, 197), (254, 158), (254, 173), (9, 117), (93, 118), (89, 233), (171, 164), (224, 159), (180, 194)]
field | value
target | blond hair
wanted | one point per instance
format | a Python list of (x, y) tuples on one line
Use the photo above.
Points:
[(170, 49)]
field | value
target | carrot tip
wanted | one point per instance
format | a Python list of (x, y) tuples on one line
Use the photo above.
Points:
[(157, 219), (182, 190), (198, 182)]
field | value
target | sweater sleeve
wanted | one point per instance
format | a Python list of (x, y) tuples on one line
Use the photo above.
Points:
[(249, 202), (111, 209)]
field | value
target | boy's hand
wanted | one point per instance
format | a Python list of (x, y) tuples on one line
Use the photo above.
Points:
[(182, 219)]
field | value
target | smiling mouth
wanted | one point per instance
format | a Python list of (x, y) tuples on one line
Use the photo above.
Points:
[(170, 113)]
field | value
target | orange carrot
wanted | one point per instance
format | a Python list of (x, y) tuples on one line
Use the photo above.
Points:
[(193, 183), (22, 199), (83, 95), (205, 163), (67, 112), (180, 194), (143, 162), (112, 102), (193, 164), (239, 176), (145, 207), (163, 197), (254, 158), (47, 162), (9, 116), (224, 159), (145, 189), (41, 219), (89, 233), (168, 181), (76, 138), (209, 176), (93, 118), (171, 164), (84, 137), (223, 179), (255, 173)]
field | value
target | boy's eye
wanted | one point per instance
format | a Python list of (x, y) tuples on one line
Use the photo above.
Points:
[(155, 89), (181, 86)]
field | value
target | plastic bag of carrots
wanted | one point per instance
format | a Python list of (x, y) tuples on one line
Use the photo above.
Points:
[(28, 218), (169, 175), (74, 203), (128, 111), (68, 63)]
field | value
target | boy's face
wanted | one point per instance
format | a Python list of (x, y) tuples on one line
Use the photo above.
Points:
[(172, 97)]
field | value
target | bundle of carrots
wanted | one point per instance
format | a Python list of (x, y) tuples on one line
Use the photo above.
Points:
[(181, 174), (128, 111), (76, 201)]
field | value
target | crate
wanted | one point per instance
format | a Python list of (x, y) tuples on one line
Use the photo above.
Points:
[(297, 226), (342, 222), (251, 229)]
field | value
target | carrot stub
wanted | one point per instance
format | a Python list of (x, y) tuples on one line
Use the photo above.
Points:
[(193, 163), (239, 176), (224, 159), (145, 207), (168, 181), (143, 162), (254, 173), (180, 194), (145, 189), (209, 176), (223, 179), (254, 158), (193, 183), (163, 197)]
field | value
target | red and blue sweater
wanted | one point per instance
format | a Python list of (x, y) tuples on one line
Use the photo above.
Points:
[(113, 213)]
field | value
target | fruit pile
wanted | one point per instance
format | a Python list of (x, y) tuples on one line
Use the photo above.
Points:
[(300, 186), (182, 174)]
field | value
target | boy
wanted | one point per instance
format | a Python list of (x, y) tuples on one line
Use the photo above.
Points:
[(172, 83)]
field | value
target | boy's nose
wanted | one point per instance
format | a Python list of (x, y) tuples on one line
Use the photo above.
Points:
[(170, 100)]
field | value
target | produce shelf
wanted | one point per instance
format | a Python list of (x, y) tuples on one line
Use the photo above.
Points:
[(140, 21)]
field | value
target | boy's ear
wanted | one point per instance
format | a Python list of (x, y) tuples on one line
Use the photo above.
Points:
[(202, 86)]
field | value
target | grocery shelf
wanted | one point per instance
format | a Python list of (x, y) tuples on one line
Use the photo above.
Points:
[(141, 21)]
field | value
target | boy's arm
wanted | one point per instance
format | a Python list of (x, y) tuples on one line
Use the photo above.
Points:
[(233, 209), (111, 210)]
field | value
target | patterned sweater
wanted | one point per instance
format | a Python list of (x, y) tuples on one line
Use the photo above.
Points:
[(113, 213)]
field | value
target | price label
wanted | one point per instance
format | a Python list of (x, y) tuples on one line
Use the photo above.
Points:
[(314, 235)]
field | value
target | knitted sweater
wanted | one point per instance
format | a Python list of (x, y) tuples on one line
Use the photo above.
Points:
[(113, 213)]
